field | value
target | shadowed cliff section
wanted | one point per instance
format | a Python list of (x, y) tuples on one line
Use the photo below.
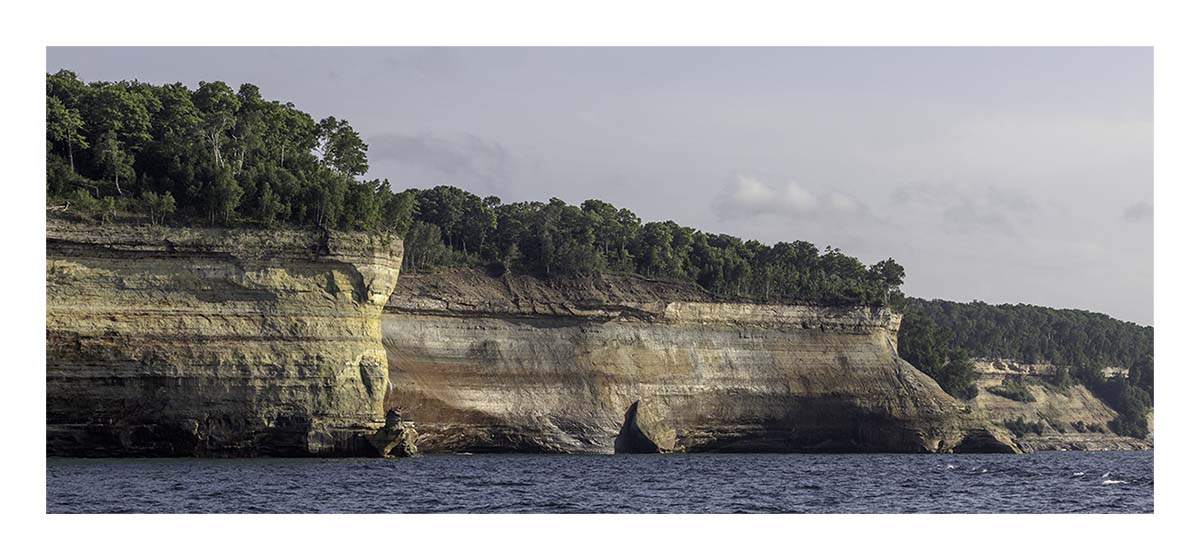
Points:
[(517, 363), (631, 438), (216, 342)]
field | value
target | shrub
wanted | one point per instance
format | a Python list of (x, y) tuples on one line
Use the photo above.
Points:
[(1016, 391), (1019, 427), (1132, 426)]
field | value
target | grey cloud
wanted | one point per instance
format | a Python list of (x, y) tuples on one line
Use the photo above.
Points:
[(1139, 212), (465, 160), (961, 210), (426, 62)]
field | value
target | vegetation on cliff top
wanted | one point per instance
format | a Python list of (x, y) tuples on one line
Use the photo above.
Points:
[(215, 156), (208, 156), (1034, 334), (1080, 342)]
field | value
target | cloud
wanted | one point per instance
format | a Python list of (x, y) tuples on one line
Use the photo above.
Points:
[(422, 62), (962, 210), (1139, 212), (748, 197), (464, 160)]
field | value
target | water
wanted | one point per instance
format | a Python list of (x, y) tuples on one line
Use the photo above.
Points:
[(1058, 482)]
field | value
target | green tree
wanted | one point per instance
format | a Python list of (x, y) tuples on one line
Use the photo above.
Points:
[(158, 207), (341, 148), (219, 106), (120, 120), (363, 207), (222, 197), (922, 343), (958, 375), (269, 206), (63, 127), (115, 160), (889, 275), (423, 248)]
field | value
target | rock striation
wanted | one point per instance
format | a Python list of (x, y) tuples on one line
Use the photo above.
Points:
[(600, 365), (1002, 367), (1069, 418), (210, 342)]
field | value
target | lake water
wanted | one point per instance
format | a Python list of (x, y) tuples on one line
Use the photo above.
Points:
[(1055, 482)]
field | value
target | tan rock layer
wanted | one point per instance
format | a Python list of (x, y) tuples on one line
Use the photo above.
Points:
[(1009, 367), (1071, 418), (175, 341), (504, 364)]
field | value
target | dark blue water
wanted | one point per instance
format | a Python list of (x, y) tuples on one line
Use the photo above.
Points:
[(1059, 482)]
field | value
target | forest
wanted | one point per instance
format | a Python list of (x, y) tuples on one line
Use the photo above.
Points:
[(168, 154), (1033, 333)]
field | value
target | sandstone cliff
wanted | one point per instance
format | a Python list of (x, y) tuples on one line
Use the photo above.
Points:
[(602, 365), (172, 341), (1067, 417)]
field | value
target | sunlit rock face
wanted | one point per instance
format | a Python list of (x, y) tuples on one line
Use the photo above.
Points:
[(610, 364), (1069, 417), (175, 341)]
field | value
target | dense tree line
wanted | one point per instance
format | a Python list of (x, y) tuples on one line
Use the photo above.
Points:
[(210, 155), (938, 336), (559, 239), (1037, 334), (926, 345), (216, 156)]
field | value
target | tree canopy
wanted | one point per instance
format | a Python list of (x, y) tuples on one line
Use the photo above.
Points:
[(218, 156), (211, 156), (1036, 334), (559, 239)]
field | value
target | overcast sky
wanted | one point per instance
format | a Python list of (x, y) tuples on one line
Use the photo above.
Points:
[(1003, 175)]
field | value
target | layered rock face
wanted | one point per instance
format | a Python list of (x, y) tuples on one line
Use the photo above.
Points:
[(1001, 367), (1070, 418), (514, 364), (170, 341)]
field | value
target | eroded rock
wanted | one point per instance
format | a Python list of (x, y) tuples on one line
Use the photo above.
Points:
[(212, 342), (518, 364)]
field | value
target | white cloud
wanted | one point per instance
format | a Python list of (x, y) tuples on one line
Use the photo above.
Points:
[(749, 197)]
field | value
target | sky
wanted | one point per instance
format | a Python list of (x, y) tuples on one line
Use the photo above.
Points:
[(1006, 175)]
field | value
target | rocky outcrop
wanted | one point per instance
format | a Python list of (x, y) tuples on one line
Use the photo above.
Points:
[(176, 341), (1007, 367), (600, 365), (1067, 418)]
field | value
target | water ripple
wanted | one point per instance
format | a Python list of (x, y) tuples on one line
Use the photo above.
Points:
[(1061, 482)]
